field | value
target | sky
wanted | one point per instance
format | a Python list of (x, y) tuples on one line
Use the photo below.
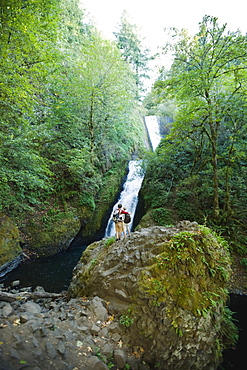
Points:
[(152, 16)]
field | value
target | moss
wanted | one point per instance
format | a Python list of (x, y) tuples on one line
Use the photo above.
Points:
[(111, 184), (9, 240), (191, 270), (52, 233)]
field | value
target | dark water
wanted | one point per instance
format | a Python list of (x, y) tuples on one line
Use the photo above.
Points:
[(53, 273), (235, 359)]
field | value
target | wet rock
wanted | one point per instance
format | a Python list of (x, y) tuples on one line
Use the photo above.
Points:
[(107, 350), (114, 328), (15, 283), (51, 352), (94, 363), (7, 310), (31, 307), (39, 289), (120, 358), (94, 329), (23, 318), (61, 348), (34, 341), (38, 355), (85, 333), (98, 309), (83, 329), (103, 332), (14, 354)]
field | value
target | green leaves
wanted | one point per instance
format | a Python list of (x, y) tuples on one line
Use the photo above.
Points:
[(208, 81), (133, 52), (67, 105)]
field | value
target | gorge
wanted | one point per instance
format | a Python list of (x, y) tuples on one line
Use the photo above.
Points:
[(59, 267), (55, 273)]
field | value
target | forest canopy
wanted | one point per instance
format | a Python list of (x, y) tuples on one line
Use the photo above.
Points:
[(68, 104), (200, 166)]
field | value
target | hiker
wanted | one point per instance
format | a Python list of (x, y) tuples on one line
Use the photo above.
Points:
[(126, 222), (118, 218)]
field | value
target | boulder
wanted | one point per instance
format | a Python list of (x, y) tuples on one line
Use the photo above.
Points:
[(167, 287)]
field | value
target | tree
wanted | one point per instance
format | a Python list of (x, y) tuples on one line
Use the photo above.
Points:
[(68, 111), (130, 45), (27, 35), (208, 79)]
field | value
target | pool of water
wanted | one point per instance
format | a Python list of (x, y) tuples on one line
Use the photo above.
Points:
[(235, 358), (53, 273)]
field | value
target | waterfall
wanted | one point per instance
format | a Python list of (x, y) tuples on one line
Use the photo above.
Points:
[(54, 273), (129, 196), (153, 129)]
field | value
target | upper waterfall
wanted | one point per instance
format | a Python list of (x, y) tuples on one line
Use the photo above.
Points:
[(153, 129)]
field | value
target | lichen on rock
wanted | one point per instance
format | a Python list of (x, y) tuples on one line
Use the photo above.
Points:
[(169, 285)]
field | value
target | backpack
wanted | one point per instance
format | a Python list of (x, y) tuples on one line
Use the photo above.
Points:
[(127, 218), (116, 216)]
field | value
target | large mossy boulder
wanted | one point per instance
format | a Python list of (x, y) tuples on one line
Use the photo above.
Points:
[(167, 285), (10, 248)]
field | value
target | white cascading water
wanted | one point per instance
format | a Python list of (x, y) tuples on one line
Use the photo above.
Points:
[(129, 196), (153, 129)]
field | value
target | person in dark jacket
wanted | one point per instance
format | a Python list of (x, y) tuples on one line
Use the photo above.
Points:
[(126, 225)]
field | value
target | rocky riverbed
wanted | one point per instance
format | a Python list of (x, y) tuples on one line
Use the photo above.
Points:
[(135, 304), (54, 333)]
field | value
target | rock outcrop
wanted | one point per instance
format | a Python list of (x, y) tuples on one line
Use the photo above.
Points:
[(10, 248), (167, 287), (52, 236), (54, 333)]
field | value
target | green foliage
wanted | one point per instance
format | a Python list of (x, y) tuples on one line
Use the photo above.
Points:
[(93, 263), (192, 268), (126, 320), (161, 216), (243, 262), (130, 44), (228, 329), (110, 365), (98, 354), (109, 241), (67, 107), (203, 155)]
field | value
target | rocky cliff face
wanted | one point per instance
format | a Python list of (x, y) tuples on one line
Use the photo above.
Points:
[(166, 285), (52, 227), (10, 249)]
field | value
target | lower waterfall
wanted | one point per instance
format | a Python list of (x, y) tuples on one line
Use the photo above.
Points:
[(54, 273), (129, 196)]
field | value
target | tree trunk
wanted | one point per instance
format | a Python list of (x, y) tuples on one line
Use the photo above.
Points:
[(216, 207), (91, 129), (9, 297)]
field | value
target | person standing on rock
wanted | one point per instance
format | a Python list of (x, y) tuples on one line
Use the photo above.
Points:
[(126, 222), (118, 219)]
